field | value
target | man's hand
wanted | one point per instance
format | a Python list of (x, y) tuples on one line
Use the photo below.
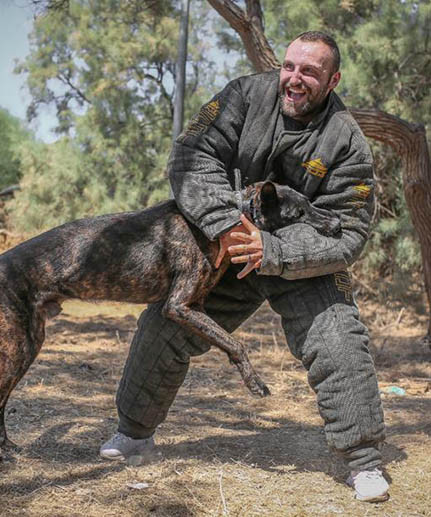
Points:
[(245, 244), (225, 241)]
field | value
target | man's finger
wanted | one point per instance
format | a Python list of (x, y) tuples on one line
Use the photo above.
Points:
[(240, 259), (243, 237), (243, 249), (221, 254), (244, 272), (248, 268), (250, 227)]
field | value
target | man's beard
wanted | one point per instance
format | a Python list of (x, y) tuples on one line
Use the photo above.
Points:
[(306, 111)]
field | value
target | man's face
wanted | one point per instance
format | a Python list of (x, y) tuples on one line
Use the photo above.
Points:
[(306, 78)]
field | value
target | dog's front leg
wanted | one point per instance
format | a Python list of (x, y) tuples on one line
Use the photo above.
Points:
[(201, 324)]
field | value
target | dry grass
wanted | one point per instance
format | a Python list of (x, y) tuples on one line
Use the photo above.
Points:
[(222, 452)]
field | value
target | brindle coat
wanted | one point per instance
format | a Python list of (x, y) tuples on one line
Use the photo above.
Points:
[(138, 257)]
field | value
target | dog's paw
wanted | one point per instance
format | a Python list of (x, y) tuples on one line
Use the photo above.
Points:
[(258, 387)]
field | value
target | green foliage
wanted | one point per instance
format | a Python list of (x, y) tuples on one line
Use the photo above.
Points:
[(60, 185), (107, 66), (393, 250), (12, 132), (52, 187)]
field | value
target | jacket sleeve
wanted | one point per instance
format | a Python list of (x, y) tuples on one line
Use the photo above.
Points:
[(299, 251), (200, 159)]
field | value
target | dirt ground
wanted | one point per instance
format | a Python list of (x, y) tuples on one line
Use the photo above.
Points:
[(221, 451)]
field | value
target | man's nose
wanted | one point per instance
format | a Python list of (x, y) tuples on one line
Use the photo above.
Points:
[(295, 78)]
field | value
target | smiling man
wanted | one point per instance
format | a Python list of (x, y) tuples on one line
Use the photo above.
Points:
[(289, 126), (309, 73)]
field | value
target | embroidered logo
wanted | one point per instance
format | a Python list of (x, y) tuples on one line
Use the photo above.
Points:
[(360, 194), (202, 120), (316, 168), (344, 284)]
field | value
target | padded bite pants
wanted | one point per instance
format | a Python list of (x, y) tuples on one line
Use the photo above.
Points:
[(321, 323)]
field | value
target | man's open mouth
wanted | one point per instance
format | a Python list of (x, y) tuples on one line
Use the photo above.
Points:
[(295, 95)]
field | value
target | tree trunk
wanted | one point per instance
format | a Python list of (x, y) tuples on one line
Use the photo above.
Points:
[(250, 28), (407, 139), (180, 69)]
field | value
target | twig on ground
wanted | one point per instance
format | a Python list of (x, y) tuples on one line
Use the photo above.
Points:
[(364, 285), (396, 322), (195, 498), (223, 500)]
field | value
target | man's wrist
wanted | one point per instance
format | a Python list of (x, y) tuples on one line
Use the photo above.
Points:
[(272, 263)]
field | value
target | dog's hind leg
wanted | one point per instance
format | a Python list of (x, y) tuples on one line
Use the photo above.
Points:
[(9, 377), (201, 324), (20, 342), (6, 445)]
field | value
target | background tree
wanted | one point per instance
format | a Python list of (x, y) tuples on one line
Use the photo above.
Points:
[(12, 132), (355, 21), (108, 68)]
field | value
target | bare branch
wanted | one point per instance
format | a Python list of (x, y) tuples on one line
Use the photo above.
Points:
[(255, 14), (9, 190), (159, 81), (250, 28), (80, 94)]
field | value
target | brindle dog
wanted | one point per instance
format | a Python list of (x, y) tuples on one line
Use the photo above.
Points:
[(138, 257)]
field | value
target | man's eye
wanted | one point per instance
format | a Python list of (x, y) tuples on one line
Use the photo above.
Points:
[(288, 66), (309, 71)]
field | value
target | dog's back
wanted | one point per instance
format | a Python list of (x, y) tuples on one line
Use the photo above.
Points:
[(130, 256)]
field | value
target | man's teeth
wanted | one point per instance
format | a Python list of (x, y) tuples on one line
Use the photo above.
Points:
[(295, 94)]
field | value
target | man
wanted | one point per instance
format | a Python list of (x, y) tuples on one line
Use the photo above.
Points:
[(289, 124)]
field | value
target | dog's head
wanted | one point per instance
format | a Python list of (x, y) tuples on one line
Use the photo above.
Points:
[(271, 206)]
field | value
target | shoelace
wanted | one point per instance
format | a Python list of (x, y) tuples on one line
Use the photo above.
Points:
[(120, 438), (368, 474), (373, 474)]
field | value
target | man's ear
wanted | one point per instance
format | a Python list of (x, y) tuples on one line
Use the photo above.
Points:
[(268, 197), (335, 79)]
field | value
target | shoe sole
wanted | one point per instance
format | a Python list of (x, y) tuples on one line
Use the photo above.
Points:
[(112, 458), (376, 499), (134, 459)]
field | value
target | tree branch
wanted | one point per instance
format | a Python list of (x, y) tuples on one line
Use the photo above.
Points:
[(250, 28), (159, 82), (255, 14), (80, 94)]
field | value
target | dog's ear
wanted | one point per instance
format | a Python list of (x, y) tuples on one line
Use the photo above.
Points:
[(268, 197)]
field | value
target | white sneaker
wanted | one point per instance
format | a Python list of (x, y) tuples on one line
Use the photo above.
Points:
[(123, 448), (369, 485)]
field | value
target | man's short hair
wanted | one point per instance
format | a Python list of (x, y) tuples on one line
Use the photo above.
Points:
[(328, 40)]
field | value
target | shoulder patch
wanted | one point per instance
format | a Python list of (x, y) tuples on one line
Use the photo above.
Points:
[(361, 193), (202, 120), (316, 168)]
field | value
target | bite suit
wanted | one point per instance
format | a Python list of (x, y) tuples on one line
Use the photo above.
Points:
[(303, 273)]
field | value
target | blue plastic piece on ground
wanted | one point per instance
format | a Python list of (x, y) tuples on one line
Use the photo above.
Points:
[(396, 390)]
